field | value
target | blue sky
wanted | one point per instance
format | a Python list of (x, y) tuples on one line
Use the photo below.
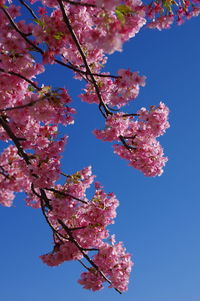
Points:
[(158, 218)]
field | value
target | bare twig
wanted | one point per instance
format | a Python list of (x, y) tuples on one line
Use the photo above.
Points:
[(131, 114), (83, 264), (66, 194), (80, 3), (127, 146), (76, 69), (29, 9)]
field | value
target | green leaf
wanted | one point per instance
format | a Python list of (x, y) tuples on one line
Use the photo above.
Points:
[(120, 16), (45, 90), (121, 11), (39, 22), (124, 9), (58, 35), (31, 88), (168, 4)]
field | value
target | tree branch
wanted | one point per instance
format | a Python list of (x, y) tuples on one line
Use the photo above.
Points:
[(76, 41), (80, 3)]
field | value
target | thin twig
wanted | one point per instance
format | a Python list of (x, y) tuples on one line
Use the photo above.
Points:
[(66, 194), (83, 264), (129, 137), (80, 3), (131, 114), (29, 8), (77, 228), (30, 104), (90, 249), (127, 146), (76, 69), (22, 77)]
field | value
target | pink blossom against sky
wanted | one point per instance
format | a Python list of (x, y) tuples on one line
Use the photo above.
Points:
[(158, 218)]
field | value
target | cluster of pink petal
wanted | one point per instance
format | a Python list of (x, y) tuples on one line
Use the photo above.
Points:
[(116, 126), (116, 265), (96, 28), (99, 31), (34, 113), (62, 252), (91, 217), (108, 4), (89, 221), (154, 121), (163, 22), (12, 176), (140, 146), (109, 33), (116, 92), (147, 156), (163, 16), (36, 125), (64, 206)]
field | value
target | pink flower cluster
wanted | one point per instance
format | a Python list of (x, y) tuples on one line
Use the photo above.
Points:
[(116, 265), (116, 92), (77, 35), (32, 114), (162, 15), (139, 145), (12, 177), (87, 221)]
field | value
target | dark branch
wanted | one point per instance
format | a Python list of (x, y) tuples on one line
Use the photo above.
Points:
[(131, 114), (80, 3)]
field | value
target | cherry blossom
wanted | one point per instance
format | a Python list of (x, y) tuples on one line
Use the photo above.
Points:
[(77, 35)]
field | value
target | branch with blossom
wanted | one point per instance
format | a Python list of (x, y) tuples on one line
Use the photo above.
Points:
[(77, 35)]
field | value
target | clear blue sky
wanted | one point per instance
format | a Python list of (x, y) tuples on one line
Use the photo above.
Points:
[(158, 218)]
